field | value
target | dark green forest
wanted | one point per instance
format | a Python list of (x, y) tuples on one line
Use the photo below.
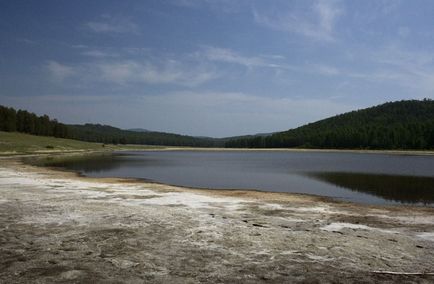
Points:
[(112, 135), (23, 121), (26, 122), (394, 125)]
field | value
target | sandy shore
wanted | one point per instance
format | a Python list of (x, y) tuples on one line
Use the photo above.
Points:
[(57, 227)]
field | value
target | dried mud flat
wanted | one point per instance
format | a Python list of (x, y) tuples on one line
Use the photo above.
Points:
[(56, 227)]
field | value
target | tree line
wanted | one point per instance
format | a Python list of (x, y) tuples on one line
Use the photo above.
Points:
[(23, 121), (26, 122), (112, 135), (394, 125)]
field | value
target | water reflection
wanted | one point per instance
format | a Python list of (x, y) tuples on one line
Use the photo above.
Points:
[(404, 189), (372, 179), (97, 163), (81, 164)]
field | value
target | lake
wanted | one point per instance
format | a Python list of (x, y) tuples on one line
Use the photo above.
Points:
[(358, 177)]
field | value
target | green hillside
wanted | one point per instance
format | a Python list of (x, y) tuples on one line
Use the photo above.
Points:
[(21, 143), (394, 125), (13, 142), (109, 134), (22, 121)]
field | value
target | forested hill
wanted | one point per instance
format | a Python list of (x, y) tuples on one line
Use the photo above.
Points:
[(109, 134), (394, 125), (23, 121)]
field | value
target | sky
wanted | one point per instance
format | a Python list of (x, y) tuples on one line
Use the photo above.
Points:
[(212, 68)]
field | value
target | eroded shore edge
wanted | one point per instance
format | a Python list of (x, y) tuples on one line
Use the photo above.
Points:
[(224, 236)]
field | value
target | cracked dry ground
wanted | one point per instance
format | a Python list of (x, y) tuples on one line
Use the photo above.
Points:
[(59, 228)]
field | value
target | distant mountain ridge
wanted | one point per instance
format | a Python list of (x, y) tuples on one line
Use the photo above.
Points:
[(405, 124), (109, 134), (138, 130), (12, 120), (394, 125), (23, 121)]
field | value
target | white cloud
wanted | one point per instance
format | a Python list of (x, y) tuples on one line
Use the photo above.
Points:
[(124, 72), (404, 32), (226, 55), (328, 11), (109, 24), (70, 98), (393, 65), (229, 56), (226, 6), (98, 53), (388, 7), (79, 46), (58, 71), (170, 72), (322, 69), (268, 61), (26, 41), (394, 55), (317, 23)]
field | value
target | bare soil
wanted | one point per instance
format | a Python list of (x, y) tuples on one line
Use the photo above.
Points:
[(56, 227)]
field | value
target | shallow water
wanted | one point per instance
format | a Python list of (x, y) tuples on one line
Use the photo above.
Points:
[(357, 177)]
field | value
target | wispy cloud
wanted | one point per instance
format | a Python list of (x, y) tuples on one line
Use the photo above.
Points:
[(170, 72), (395, 55), (323, 69), (327, 11), (109, 24), (317, 22), (230, 56), (27, 41), (386, 66), (404, 32), (394, 65), (388, 7), (225, 6), (123, 72), (98, 53), (58, 71)]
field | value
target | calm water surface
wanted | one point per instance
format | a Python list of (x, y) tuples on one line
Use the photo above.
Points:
[(363, 178)]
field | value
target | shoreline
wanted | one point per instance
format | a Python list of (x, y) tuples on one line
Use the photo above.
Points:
[(263, 194), (355, 151), (60, 227), (253, 194), (6, 155), (246, 193)]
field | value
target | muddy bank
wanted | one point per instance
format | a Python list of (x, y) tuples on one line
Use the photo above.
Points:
[(57, 227)]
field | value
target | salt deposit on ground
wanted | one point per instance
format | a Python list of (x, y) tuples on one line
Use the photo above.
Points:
[(56, 227)]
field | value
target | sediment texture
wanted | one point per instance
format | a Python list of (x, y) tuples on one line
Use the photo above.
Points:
[(55, 227)]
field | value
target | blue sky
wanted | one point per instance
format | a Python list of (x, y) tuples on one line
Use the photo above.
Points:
[(215, 68)]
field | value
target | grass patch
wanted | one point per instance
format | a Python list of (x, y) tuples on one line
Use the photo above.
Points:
[(20, 143)]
